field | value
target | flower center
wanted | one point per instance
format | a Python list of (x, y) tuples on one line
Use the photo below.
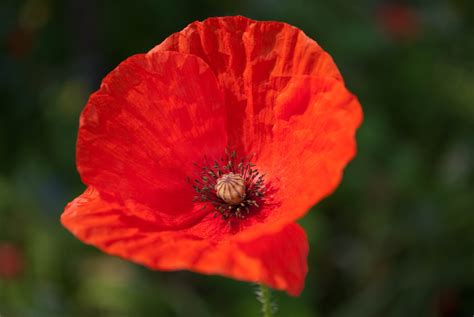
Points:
[(231, 188), (234, 187)]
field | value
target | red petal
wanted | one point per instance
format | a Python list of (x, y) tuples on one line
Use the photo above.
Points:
[(312, 139), (285, 101), (277, 260), (139, 134), (246, 57)]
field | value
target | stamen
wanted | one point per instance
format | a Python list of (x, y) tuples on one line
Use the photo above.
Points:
[(231, 186)]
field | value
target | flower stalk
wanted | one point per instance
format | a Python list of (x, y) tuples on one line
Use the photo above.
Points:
[(264, 296)]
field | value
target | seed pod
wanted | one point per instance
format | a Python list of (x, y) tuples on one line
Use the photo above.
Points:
[(231, 188)]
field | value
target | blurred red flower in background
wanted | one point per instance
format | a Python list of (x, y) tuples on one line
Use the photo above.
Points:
[(151, 144), (11, 260), (398, 21)]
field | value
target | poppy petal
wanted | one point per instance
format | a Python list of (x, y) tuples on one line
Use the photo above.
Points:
[(141, 131), (285, 101), (313, 138), (277, 260), (245, 55)]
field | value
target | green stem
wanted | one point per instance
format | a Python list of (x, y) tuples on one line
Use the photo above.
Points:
[(265, 298)]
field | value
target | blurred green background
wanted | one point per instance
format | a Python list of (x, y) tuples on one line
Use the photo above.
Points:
[(396, 238)]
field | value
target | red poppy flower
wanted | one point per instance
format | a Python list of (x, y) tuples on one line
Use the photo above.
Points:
[(11, 260), (398, 21), (202, 153)]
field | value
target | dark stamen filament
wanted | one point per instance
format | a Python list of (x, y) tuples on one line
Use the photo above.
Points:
[(209, 174)]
